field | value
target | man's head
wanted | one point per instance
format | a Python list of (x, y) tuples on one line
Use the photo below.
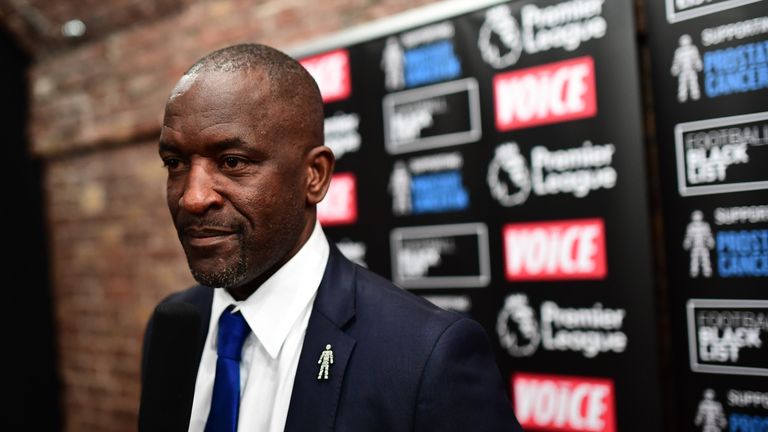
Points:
[(242, 141)]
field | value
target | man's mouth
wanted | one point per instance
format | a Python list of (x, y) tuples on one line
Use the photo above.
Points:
[(207, 236)]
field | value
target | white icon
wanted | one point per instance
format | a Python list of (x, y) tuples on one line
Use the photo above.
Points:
[(325, 362), (699, 240), (517, 327), (508, 175), (400, 187), (710, 414), (501, 26), (685, 66), (393, 63)]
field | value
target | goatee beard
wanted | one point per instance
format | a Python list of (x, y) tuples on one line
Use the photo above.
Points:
[(228, 277)]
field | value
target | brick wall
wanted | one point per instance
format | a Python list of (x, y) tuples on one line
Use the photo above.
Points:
[(96, 112)]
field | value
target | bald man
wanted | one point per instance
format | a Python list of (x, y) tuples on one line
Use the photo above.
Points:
[(322, 344)]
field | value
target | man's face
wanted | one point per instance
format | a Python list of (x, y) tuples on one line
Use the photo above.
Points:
[(236, 177)]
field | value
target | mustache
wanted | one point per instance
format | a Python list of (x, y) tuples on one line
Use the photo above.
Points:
[(186, 222)]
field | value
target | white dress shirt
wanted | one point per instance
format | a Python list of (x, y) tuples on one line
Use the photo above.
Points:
[(278, 314)]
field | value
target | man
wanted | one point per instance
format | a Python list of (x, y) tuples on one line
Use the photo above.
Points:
[(327, 345)]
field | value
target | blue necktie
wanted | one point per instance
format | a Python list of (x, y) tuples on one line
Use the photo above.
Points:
[(225, 404)]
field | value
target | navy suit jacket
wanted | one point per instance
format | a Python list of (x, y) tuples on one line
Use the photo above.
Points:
[(400, 363)]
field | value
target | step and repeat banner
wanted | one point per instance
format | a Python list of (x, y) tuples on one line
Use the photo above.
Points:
[(493, 163), (710, 78)]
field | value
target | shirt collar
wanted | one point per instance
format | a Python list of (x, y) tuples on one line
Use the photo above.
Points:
[(276, 306)]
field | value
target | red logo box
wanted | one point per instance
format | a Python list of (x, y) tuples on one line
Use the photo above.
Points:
[(552, 93), (564, 403), (331, 71), (339, 207), (555, 250)]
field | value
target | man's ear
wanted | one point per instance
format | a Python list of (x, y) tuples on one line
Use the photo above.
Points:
[(320, 169)]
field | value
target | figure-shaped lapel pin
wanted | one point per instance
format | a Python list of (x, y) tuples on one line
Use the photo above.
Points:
[(325, 362)]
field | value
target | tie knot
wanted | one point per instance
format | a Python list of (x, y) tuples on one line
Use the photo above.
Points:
[(233, 330)]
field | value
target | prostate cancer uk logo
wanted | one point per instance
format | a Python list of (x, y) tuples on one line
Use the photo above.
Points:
[(339, 207), (740, 253), (555, 250), (422, 56), (737, 69), (551, 93), (727, 336), (428, 184), (332, 73), (564, 403)]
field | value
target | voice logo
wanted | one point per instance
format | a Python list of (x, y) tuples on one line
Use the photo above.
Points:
[(340, 204), (555, 250), (551, 93), (331, 71), (564, 403)]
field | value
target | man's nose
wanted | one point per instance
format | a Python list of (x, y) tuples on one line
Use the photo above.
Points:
[(200, 190)]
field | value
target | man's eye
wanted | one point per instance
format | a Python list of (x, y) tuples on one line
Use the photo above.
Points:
[(233, 162), (171, 163)]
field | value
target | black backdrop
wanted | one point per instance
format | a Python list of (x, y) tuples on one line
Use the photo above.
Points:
[(493, 161)]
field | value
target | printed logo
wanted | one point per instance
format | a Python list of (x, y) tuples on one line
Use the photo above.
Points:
[(745, 411), (441, 256), (681, 10), (710, 416), (564, 403), (428, 184), (331, 71), (721, 155), (741, 215), (440, 115), (353, 251), (555, 250), (685, 66), (339, 207), (739, 69), (551, 93), (589, 331), (699, 241), (577, 171), (753, 420), (734, 31), (342, 135), (726, 336), (422, 56), (732, 70), (500, 41), (740, 253), (517, 327), (563, 25)]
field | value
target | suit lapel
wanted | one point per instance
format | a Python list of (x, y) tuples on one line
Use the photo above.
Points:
[(314, 402)]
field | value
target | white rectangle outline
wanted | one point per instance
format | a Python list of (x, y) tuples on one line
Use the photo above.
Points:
[(681, 128), (690, 306), (674, 17), (477, 228), (473, 134)]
